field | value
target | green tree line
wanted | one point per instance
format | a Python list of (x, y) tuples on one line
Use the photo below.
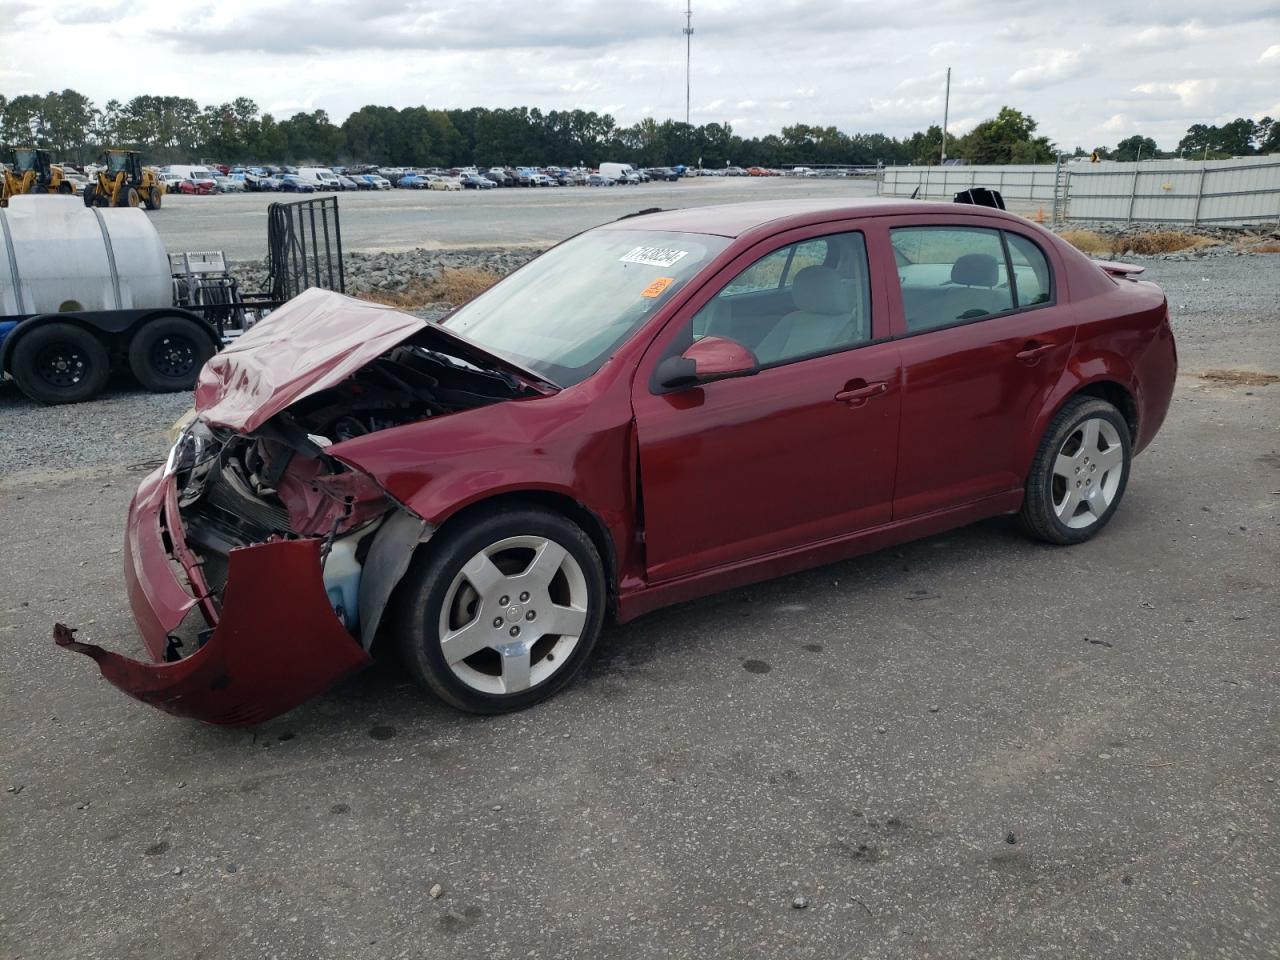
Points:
[(178, 129)]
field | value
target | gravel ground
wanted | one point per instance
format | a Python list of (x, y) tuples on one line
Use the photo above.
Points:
[(127, 426)]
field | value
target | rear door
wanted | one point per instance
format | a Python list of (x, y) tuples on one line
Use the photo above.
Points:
[(802, 451), (985, 332)]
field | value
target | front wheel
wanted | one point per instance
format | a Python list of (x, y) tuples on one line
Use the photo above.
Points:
[(1079, 474), (502, 611)]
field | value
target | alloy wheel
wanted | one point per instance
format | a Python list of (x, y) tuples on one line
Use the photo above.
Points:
[(1087, 473), (513, 615)]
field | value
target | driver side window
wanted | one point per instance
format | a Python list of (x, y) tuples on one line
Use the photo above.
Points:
[(802, 300)]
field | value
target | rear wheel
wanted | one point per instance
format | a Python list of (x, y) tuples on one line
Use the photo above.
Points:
[(166, 354), (502, 612), (66, 189), (1080, 473), (153, 198), (90, 194), (60, 363)]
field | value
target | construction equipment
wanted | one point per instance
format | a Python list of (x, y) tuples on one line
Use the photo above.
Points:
[(124, 182), (32, 172)]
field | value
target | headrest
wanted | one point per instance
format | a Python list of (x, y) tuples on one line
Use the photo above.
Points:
[(976, 270), (819, 290)]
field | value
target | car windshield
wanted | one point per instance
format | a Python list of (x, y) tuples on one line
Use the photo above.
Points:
[(564, 314)]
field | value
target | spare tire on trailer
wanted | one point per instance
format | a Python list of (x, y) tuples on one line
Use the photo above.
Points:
[(60, 363), (167, 352)]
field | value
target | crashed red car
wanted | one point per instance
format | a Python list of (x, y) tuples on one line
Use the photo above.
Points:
[(656, 409)]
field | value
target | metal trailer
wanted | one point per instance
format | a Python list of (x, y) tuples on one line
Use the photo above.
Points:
[(98, 305)]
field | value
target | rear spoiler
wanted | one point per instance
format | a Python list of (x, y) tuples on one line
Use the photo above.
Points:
[(1119, 269)]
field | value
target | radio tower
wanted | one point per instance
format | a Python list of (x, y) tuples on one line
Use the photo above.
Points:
[(688, 53)]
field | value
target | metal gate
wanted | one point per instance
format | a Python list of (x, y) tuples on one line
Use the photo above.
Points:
[(304, 247)]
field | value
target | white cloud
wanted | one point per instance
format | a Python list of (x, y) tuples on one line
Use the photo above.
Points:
[(860, 66), (1164, 37), (1052, 66)]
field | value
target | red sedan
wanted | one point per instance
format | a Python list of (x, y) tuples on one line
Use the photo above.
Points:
[(198, 187), (656, 409)]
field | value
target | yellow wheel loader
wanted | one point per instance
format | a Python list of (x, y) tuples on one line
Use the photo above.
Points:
[(124, 182), (31, 172)]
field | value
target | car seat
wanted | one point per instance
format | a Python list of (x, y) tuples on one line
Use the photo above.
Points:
[(973, 292), (823, 317)]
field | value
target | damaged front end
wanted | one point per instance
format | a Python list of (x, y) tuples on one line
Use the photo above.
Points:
[(289, 555)]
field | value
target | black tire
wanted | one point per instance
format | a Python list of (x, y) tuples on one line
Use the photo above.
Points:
[(166, 354), (426, 586), (129, 197), (90, 194), (153, 198), (66, 189), (1039, 517), (60, 363)]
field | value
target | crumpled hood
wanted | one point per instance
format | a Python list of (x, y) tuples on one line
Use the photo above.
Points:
[(312, 343)]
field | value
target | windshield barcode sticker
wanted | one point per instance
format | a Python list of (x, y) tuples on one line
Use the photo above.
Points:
[(654, 256)]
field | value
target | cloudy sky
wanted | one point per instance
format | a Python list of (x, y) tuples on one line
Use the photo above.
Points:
[(1091, 72)]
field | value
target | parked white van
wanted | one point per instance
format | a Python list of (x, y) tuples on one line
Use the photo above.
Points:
[(321, 177), (195, 172), (621, 172)]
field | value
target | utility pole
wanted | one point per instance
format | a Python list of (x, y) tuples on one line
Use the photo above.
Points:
[(946, 110), (688, 54)]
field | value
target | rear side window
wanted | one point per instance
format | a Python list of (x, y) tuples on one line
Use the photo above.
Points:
[(950, 275), (1030, 271)]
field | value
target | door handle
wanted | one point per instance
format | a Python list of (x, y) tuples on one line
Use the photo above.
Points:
[(857, 396), (1033, 350)]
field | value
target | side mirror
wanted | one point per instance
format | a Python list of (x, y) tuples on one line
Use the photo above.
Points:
[(707, 360)]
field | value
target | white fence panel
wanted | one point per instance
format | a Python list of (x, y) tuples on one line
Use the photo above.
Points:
[(1031, 183), (1240, 192)]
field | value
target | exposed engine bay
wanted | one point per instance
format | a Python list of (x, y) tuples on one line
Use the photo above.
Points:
[(279, 483)]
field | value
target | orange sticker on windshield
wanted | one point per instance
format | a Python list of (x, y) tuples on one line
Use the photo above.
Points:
[(656, 288)]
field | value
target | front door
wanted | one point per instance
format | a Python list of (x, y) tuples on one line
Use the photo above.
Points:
[(801, 452)]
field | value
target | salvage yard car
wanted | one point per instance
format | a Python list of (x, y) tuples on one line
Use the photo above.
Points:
[(659, 408)]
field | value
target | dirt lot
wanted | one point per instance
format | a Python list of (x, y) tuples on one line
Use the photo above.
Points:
[(972, 746)]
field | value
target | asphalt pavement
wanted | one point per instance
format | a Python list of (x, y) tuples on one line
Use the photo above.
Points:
[(405, 219), (970, 746)]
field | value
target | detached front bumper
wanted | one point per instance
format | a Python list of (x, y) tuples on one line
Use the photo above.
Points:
[(276, 640)]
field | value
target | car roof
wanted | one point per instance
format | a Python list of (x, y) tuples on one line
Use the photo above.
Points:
[(737, 219)]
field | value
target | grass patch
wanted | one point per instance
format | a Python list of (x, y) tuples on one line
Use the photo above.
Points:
[(1161, 241), (1269, 246), (455, 285), (1153, 242), (1086, 241)]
